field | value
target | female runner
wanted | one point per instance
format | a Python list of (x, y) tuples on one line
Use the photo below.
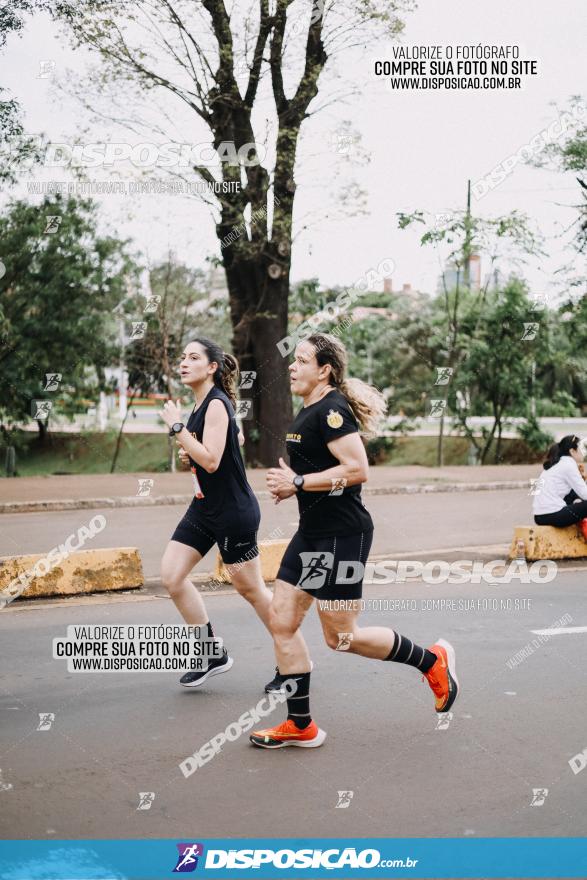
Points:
[(325, 558), (224, 510)]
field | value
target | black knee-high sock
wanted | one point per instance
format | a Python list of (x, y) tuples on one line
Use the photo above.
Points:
[(405, 651), (212, 636), (298, 705)]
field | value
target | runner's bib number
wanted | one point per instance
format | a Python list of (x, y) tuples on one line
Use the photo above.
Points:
[(197, 488)]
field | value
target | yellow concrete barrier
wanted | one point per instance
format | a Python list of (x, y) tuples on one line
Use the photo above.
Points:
[(271, 553), (82, 571), (548, 542)]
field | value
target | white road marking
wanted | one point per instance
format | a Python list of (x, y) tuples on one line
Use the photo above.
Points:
[(560, 631)]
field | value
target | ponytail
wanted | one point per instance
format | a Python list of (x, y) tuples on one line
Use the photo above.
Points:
[(367, 403), (557, 450), (226, 378)]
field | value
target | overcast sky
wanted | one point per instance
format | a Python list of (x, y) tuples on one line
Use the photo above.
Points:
[(423, 145)]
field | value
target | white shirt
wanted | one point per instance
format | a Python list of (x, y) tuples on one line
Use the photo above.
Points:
[(555, 483)]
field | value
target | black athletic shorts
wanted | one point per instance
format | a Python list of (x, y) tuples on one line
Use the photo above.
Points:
[(201, 536), (327, 568), (567, 516)]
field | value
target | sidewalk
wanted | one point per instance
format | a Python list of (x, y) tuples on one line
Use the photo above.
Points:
[(87, 491)]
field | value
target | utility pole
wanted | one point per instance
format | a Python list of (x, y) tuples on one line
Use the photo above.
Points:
[(467, 242), (466, 262)]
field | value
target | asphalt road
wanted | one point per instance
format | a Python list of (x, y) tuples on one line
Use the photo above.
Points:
[(118, 734), (402, 523)]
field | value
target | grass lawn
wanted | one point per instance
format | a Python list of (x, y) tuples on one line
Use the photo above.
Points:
[(91, 453), (88, 453)]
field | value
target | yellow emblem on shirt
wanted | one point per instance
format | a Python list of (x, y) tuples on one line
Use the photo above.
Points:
[(334, 419)]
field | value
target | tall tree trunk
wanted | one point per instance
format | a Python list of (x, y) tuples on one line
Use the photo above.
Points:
[(497, 456), (259, 309), (42, 426), (119, 438)]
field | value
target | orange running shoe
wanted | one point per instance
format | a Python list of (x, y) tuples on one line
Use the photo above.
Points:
[(442, 677), (287, 734)]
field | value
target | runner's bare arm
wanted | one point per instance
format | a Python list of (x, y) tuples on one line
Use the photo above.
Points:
[(209, 452), (352, 469)]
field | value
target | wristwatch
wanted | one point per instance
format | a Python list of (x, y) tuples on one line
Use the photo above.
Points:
[(298, 481), (176, 428)]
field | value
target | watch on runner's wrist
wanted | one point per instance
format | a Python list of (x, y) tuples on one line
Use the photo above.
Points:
[(176, 428), (298, 481)]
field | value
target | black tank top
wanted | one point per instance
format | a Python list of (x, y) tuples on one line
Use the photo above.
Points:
[(229, 504)]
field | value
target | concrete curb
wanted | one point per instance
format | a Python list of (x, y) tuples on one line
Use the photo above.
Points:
[(160, 500), (78, 572)]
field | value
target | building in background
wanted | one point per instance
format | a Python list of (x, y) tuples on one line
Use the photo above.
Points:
[(454, 275)]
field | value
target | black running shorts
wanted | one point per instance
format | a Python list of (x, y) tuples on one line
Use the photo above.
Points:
[(327, 568), (233, 548)]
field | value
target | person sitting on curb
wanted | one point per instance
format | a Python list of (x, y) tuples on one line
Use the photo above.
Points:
[(561, 499)]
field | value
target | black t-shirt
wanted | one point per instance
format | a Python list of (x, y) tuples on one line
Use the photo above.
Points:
[(229, 504), (325, 514)]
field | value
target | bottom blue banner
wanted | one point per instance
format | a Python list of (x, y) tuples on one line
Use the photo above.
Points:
[(288, 858)]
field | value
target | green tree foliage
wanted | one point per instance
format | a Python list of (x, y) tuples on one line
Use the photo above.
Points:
[(56, 297)]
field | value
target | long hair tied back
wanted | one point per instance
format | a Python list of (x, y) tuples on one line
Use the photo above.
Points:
[(557, 450), (226, 376), (367, 403)]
